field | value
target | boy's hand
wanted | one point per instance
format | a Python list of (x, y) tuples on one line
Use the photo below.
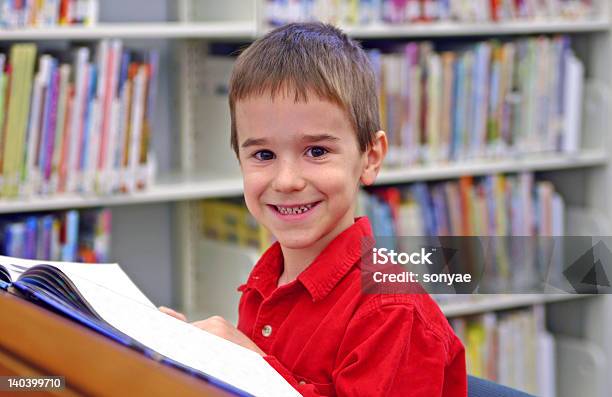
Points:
[(219, 326), (175, 314)]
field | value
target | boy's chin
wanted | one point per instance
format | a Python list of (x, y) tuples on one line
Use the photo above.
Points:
[(296, 242)]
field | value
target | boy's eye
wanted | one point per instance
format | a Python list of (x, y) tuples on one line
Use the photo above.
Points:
[(264, 155), (316, 151)]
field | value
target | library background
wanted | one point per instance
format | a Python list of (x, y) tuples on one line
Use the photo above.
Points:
[(115, 147)]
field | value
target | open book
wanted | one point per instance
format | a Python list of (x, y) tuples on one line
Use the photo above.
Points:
[(103, 298)]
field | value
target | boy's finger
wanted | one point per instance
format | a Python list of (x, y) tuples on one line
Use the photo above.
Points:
[(170, 312), (212, 327)]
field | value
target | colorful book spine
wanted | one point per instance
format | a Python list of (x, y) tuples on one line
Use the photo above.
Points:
[(396, 12), (482, 100), (80, 127), (230, 221), (512, 348), (4, 91), (16, 14), (73, 235), (22, 58), (50, 130), (494, 205)]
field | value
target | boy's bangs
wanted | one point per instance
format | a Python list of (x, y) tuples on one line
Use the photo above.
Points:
[(298, 88)]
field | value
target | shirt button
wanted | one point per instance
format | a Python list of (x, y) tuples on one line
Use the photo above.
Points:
[(302, 382), (266, 330)]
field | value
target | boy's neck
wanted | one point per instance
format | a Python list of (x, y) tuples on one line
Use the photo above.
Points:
[(296, 260)]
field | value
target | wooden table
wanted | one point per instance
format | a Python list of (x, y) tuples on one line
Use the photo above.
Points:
[(37, 342)]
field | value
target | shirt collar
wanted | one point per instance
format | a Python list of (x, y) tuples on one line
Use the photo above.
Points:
[(267, 270), (324, 273)]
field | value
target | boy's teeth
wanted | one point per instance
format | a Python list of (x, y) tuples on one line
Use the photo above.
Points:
[(293, 210)]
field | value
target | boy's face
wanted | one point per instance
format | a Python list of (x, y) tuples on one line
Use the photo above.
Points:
[(301, 166)]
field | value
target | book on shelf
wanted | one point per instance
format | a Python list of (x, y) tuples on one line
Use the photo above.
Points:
[(82, 236), (451, 102), (493, 205), (572, 94), (47, 13), (80, 122), (510, 347), (94, 235), (405, 12), (103, 298), (230, 221)]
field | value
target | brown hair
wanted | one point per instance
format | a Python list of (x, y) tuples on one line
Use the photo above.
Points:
[(299, 58)]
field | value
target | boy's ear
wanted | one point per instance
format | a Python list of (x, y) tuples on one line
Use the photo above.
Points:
[(373, 158)]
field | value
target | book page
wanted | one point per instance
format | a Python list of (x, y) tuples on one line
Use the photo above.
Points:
[(15, 267), (187, 344), (5, 277), (106, 275)]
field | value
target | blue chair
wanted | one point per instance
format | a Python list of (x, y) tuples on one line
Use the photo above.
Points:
[(478, 387)]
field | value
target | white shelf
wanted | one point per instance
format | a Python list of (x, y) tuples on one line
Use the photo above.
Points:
[(247, 30), (167, 189), (179, 188), (454, 29), (486, 303), (539, 162), (160, 30)]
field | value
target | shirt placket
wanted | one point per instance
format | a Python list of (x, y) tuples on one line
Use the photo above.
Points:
[(273, 311)]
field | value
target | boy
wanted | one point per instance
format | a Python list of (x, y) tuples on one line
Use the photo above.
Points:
[(305, 128)]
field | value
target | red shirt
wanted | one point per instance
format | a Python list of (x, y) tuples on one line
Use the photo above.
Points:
[(327, 338)]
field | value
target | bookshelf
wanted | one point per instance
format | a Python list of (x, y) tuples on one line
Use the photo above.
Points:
[(447, 29), (227, 30), (552, 162), (244, 30), (161, 222), (488, 303)]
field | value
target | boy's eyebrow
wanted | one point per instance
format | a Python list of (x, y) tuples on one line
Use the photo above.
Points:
[(253, 142), (319, 138), (306, 137)]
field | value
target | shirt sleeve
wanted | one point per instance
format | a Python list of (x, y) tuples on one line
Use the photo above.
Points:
[(391, 351)]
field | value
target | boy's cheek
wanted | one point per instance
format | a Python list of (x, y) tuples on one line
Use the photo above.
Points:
[(248, 200), (252, 201), (253, 183)]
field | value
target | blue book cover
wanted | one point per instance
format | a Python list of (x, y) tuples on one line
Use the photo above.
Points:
[(440, 210), (47, 226), (7, 238), (18, 236), (52, 123), (421, 194), (46, 119), (91, 93), (71, 230), (459, 110), (30, 238), (14, 238), (123, 70)]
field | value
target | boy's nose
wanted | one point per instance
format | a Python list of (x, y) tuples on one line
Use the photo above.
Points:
[(288, 178)]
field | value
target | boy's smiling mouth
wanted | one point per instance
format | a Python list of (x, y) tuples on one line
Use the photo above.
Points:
[(293, 209)]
